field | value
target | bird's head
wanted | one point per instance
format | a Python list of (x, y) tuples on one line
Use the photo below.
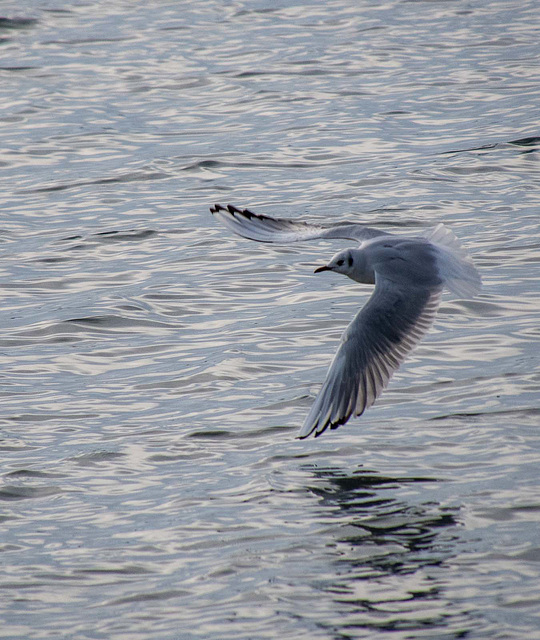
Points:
[(342, 262), (352, 263)]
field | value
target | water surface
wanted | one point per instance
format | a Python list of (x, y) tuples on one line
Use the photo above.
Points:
[(155, 369)]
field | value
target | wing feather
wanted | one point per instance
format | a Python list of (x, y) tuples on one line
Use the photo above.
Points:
[(261, 228), (373, 346)]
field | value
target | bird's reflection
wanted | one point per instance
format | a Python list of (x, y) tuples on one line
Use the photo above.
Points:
[(390, 553), (380, 516)]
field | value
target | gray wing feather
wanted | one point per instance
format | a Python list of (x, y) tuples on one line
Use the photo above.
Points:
[(373, 346), (263, 228)]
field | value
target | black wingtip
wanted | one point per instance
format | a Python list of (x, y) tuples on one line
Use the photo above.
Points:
[(230, 208), (235, 211), (329, 425), (246, 213), (216, 208)]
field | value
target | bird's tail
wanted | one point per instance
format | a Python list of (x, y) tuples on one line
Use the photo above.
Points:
[(455, 264)]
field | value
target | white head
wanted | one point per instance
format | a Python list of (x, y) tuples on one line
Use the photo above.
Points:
[(351, 263)]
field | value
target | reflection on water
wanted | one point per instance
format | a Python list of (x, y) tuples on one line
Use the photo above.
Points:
[(385, 551), (155, 369)]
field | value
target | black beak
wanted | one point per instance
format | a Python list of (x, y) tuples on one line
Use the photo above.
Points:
[(323, 268)]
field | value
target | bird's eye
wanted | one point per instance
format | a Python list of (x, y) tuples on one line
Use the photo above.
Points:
[(340, 263)]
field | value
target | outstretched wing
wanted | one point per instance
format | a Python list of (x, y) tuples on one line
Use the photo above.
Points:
[(281, 230), (373, 346)]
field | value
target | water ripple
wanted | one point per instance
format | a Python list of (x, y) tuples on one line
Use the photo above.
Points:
[(155, 369)]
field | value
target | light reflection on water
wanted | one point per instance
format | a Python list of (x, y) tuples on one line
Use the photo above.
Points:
[(155, 369)]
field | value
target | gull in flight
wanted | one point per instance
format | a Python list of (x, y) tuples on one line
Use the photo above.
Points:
[(409, 274)]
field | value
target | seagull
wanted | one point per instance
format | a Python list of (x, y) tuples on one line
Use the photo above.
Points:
[(409, 274)]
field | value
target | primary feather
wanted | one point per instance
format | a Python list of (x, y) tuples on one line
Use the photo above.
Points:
[(255, 226)]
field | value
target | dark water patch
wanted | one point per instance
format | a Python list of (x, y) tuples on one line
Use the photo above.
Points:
[(44, 577), (14, 445), (52, 260), (472, 170), (526, 142), (110, 322), (410, 523), (56, 187), (282, 72), (68, 239), (273, 430), (364, 479), (84, 41), (128, 234), (203, 164), (486, 415), (124, 570), (503, 514), (245, 434), (160, 596), (75, 329), (262, 11), (96, 458), (133, 176), (17, 69), (531, 141), (48, 417), (33, 473), (176, 458), (16, 492), (212, 434), (179, 27), (17, 23), (50, 337)]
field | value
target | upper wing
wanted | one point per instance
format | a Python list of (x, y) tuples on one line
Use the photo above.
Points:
[(281, 230), (373, 346)]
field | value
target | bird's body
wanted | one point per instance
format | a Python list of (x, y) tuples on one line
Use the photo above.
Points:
[(409, 274)]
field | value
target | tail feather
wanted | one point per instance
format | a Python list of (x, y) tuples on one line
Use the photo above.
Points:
[(455, 264)]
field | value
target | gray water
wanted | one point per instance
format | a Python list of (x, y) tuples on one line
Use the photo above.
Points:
[(155, 369)]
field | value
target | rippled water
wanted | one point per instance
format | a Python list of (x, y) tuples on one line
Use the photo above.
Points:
[(155, 369)]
